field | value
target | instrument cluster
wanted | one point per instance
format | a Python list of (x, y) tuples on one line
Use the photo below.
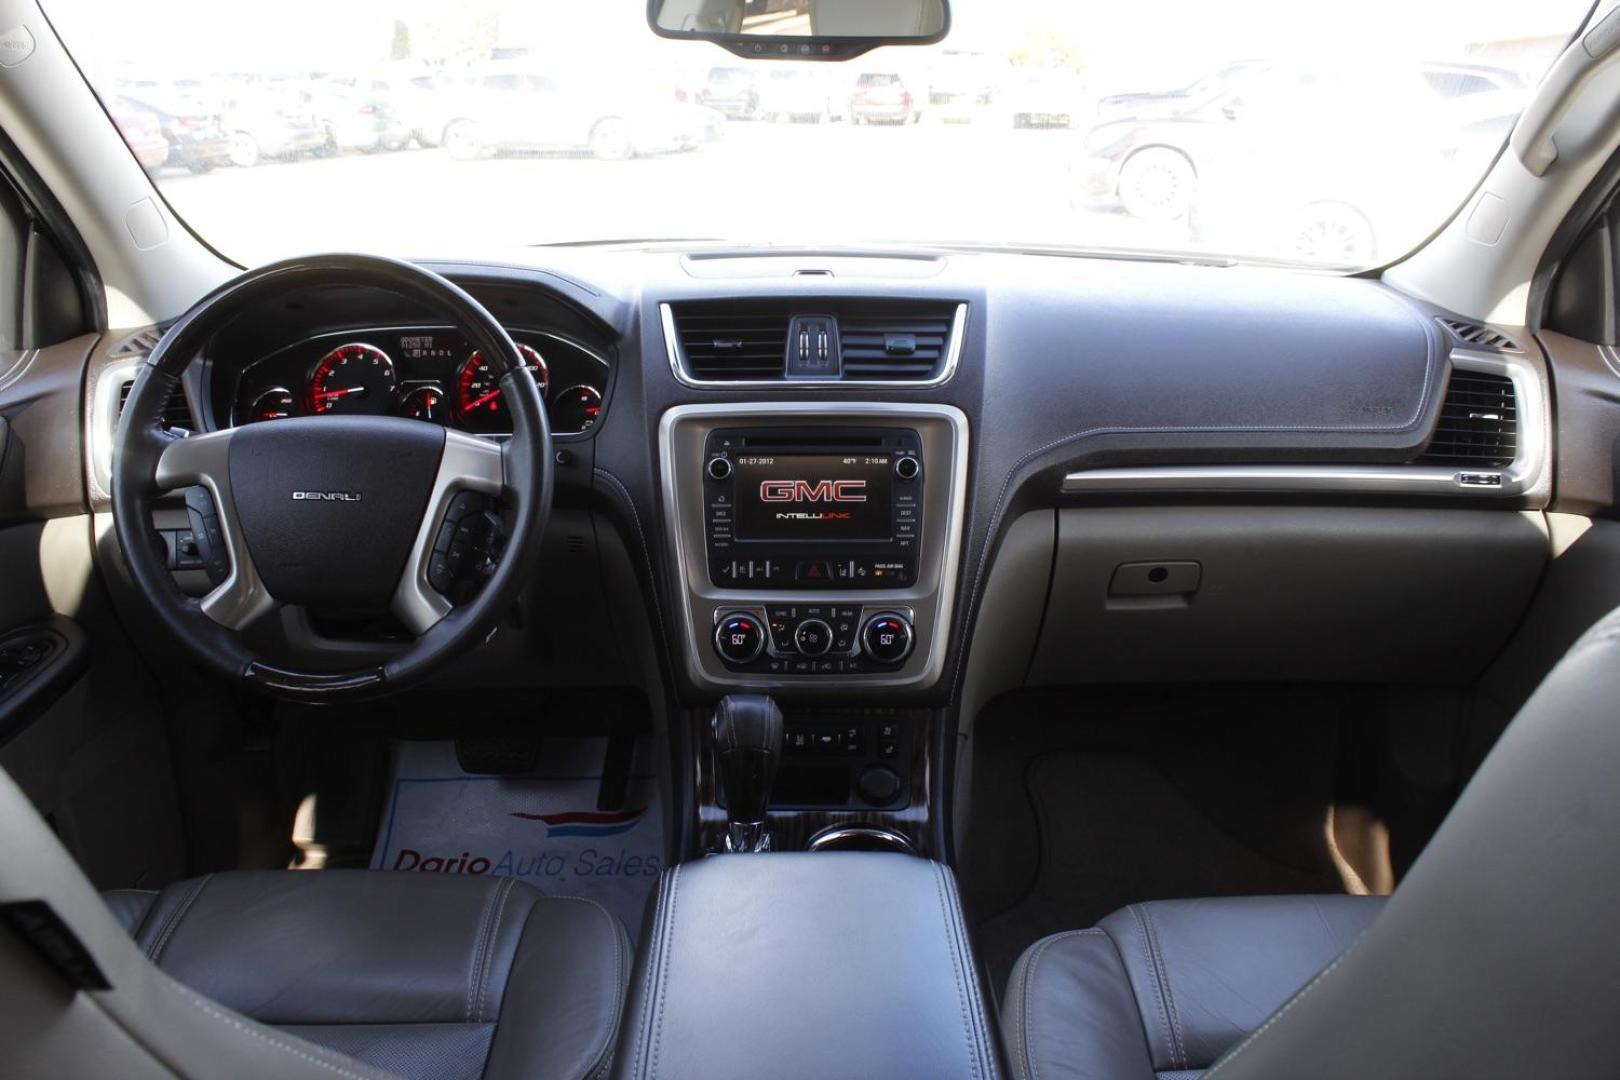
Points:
[(424, 373)]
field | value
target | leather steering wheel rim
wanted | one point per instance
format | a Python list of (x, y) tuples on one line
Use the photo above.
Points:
[(520, 471)]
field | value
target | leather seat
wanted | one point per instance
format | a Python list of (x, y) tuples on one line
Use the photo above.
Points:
[(414, 974), (1164, 989), (1495, 959)]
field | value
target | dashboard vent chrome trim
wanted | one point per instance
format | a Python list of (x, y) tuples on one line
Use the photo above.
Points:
[(176, 411), (892, 342), (1526, 478), (1479, 336), (1479, 422)]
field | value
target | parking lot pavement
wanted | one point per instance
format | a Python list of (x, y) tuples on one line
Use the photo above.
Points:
[(825, 183)]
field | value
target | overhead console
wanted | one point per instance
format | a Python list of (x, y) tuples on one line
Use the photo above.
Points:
[(817, 543)]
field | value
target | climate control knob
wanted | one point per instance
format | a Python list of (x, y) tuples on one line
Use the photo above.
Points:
[(813, 637), (739, 637), (887, 637)]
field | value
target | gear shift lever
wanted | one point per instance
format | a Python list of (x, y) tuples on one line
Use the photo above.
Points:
[(748, 743)]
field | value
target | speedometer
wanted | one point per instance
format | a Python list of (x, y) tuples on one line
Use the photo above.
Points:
[(354, 379), (479, 406)]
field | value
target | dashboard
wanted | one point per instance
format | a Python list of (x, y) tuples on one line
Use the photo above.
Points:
[(423, 372), (817, 459)]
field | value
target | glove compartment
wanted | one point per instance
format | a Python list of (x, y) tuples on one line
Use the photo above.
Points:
[(1250, 593)]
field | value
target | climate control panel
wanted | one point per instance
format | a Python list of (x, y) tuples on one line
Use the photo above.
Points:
[(812, 638)]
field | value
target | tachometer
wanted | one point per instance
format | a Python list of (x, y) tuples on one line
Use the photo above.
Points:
[(575, 409), (355, 378), (478, 393)]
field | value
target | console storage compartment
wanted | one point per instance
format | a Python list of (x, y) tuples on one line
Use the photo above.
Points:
[(799, 964)]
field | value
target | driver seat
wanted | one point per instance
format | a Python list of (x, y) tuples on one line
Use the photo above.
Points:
[(333, 974)]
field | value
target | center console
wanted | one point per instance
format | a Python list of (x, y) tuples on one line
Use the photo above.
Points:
[(806, 965), (817, 544)]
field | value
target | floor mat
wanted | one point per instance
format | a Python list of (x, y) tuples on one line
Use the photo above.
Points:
[(1114, 830), (543, 827), (1084, 801)]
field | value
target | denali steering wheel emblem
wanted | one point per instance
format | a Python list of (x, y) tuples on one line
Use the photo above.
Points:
[(326, 496)]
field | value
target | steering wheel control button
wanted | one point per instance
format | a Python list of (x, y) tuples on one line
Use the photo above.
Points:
[(739, 638), (813, 637), (907, 468), (887, 638), (207, 537), (719, 468)]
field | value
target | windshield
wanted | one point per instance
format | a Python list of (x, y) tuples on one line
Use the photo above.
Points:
[(1266, 130)]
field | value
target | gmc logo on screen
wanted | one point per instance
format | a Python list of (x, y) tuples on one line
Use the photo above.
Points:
[(792, 491)]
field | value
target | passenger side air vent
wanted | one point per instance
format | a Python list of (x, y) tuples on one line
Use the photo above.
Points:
[(896, 344), (1479, 422), (877, 340), (733, 341), (176, 413), (1483, 337)]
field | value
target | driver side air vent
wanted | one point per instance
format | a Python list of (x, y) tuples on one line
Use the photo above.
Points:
[(140, 343), (176, 413), (1479, 422), (1469, 333)]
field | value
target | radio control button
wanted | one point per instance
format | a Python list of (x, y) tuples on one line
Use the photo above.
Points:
[(907, 468), (887, 638), (719, 468), (739, 638), (813, 637)]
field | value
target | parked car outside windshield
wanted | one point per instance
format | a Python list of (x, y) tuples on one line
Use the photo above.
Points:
[(1222, 130)]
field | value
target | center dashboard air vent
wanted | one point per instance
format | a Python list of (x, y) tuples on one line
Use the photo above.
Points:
[(1479, 422), (819, 340)]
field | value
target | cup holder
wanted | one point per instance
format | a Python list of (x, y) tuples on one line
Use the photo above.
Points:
[(860, 838)]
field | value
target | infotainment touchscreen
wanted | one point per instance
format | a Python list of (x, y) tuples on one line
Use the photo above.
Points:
[(813, 497)]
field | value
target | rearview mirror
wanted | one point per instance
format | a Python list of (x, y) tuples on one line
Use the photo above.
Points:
[(801, 29)]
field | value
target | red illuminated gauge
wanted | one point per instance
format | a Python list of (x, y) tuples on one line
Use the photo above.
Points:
[(424, 403), (575, 409), (478, 392), (353, 379), (274, 404)]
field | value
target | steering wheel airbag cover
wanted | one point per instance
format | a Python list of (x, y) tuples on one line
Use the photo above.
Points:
[(329, 505)]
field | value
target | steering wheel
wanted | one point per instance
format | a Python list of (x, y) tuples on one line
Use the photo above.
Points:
[(331, 512)]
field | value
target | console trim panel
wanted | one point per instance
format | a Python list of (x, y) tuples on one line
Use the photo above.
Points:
[(682, 432)]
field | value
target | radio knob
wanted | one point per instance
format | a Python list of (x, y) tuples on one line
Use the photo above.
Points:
[(907, 468), (719, 468), (813, 637), (887, 637), (739, 637)]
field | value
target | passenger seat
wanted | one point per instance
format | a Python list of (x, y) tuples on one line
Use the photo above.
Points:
[(1495, 958), (1192, 976)]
